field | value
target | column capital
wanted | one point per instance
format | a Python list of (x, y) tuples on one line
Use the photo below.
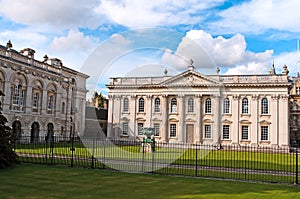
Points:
[(235, 97), (255, 97)]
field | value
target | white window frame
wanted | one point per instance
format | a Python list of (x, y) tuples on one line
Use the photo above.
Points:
[(245, 106), (173, 130), (141, 105), (208, 106), (227, 131), (190, 108), (226, 104), (156, 105), (264, 133), (243, 132), (207, 131), (125, 105), (125, 128), (264, 106)]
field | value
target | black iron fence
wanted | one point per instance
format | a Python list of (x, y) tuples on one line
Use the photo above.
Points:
[(278, 165)]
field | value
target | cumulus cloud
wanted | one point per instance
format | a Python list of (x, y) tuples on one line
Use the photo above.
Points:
[(209, 52), (74, 47), (143, 13), (54, 13), (259, 15)]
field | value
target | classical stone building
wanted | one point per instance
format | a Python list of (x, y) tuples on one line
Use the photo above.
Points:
[(295, 112), (42, 98), (191, 107)]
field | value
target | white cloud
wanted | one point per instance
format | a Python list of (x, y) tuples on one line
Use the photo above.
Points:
[(209, 52), (259, 15), (291, 59), (54, 13), (73, 48), (144, 13)]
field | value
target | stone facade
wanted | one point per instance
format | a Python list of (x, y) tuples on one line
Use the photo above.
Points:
[(190, 107), (42, 98)]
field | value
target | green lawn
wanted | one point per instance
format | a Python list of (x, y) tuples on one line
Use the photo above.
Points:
[(41, 181)]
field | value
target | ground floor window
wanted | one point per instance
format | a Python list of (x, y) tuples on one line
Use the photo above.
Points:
[(207, 131), (125, 128), (173, 130), (225, 132), (245, 132), (264, 133), (140, 128), (156, 129)]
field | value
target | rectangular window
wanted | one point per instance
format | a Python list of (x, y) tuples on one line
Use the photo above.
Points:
[(225, 132), (264, 133), (245, 132), (172, 130), (156, 129), (50, 102), (125, 128), (207, 131), (297, 90), (35, 101), (140, 128)]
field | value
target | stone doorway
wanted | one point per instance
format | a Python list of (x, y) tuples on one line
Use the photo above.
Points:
[(35, 131)]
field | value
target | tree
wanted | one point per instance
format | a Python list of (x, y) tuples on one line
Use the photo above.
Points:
[(7, 155), (98, 99)]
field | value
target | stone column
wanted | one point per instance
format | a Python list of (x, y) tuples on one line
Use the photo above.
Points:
[(235, 120), (284, 137), (7, 97), (149, 108), (273, 129), (198, 126), (181, 112), (217, 119), (254, 136), (45, 101), (110, 117), (164, 110)]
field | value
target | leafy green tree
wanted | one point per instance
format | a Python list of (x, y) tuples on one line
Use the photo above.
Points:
[(7, 155), (98, 99)]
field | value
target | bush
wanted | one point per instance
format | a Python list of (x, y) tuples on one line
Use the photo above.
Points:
[(7, 155)]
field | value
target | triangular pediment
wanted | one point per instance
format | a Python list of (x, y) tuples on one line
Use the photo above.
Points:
[(191, 78)]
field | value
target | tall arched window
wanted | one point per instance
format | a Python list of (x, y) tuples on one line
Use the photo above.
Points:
[(173, 105), (36, 95), (208, 105), (226, 109), (245, 106), (157, 105), (190, 105), (18, 95), (141, 105), (125, 105), (264, 106)]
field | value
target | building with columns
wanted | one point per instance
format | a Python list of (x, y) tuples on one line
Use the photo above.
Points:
[(190, 107), (42, 98)]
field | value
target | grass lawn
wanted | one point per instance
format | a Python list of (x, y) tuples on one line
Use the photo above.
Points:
[(42, 181)]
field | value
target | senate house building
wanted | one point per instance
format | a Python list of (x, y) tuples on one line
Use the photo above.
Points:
[(190, 107), (42, 98)]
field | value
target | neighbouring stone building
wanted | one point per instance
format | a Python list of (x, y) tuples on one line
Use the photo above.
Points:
[(42, 98), (242, 110)]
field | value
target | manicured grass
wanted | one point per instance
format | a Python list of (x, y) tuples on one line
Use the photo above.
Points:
[(42, 181)]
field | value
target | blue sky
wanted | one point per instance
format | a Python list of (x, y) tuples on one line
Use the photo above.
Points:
[(240, 37)]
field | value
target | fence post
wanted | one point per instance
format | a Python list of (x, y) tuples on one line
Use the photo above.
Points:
[(93, 154), (72, 150), (52, 148), (196, 165), (297, 182)]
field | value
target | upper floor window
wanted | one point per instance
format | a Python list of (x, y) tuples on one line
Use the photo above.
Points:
[(125, 105), (226, 108), (245, 106), (50, 103), (35, 100), (157, 105), (190, 105), (264, 106), (295, 105), (141, 105), (226, 132), (18, 95), (208, 105), (297, 90), (140, 128), (173, 105)]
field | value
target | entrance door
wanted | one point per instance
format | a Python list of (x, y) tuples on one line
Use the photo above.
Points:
[(190, 133), (35, 130)]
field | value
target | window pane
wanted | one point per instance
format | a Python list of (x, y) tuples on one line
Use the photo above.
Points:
[(207, 131), (264, 106), (264, 133), (244, 132), (245, 106), (156, 129), (190, 105), (226, 132), (141, 105), (173, 105), (226, 106), (172, 130), (140, 128), (157, 105), (125, 128), (125, 105), (208, 105)]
